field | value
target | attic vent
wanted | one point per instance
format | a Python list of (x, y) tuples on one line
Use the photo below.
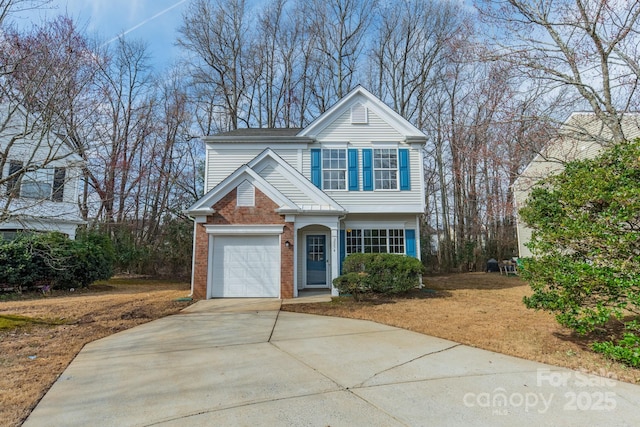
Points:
[(359, 114), (246, 194)]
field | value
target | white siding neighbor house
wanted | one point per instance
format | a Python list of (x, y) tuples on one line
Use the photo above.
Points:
[(582, 136), (39, 178), (283, 207)]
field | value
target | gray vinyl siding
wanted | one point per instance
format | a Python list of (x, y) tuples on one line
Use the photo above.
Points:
[(376, 130), (582, 138), (47, 151), (223, 161), (276, 179), (377, 200)]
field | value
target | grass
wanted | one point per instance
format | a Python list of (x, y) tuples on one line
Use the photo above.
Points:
[(8, 321), (40, 335), (481, 310), (476, 309)]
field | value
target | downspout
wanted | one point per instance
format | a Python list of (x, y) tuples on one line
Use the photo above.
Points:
[(193, 255)]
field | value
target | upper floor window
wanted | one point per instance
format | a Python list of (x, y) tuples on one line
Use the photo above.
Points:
[(41, 184), (37, 184), (385, 168), (334, 169)]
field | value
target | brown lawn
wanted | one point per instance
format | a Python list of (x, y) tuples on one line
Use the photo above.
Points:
[(33, 356), (482, 310), (478, 309)]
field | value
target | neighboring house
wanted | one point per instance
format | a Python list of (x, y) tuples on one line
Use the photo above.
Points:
[(581, 136), (40, 177), (283, 207)]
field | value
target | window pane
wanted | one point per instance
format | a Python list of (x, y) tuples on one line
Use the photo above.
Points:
[(37, 184), (376, 241), (35, 190), (354, 241), (334, 167), (385, 169)]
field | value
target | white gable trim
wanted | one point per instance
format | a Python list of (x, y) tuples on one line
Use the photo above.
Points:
[(244, 173), (360, 95), (295, 177)]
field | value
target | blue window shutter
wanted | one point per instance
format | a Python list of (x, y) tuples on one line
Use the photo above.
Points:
[(316, 173), (405, 178), (353, 169), (343, 246), (410, 242), (367, 169)]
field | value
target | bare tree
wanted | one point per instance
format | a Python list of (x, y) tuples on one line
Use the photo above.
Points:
[(590, 46), (339, 28), (411, 39), (214, 33), (8, 7), (124, 124), (45, 71)]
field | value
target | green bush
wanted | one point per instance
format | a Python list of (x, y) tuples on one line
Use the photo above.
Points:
[(378, 273), (51, 259), (626, 350), (586, 246), (351, 283)]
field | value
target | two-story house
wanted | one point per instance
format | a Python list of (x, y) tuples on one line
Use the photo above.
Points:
[(39, 177), (284, 207), (582, 136)]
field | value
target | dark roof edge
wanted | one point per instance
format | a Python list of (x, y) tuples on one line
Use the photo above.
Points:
[(254, 139)]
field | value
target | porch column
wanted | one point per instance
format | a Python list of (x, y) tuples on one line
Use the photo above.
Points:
[(335, 257)]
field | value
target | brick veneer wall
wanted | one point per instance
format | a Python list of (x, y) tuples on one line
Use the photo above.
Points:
[(227, 212)]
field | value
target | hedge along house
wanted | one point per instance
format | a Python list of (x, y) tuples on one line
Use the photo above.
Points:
[(581, 136), (283, 207)]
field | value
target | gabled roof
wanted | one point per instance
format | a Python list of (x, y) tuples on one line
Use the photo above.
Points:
[(261, 135), (366, 98), (251, 132), (319, 198), (52, 145), (583, 135), (321, 202)]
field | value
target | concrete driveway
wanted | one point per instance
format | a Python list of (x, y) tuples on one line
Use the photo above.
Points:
[(245, 363)]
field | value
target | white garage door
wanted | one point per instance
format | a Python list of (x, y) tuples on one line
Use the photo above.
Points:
[(246, 266)]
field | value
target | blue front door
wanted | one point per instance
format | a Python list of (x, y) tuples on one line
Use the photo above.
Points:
[(316, 260)]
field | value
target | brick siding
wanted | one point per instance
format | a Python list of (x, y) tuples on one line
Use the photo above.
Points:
[(227, 212)]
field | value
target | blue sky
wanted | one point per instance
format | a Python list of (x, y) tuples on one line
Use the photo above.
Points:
[(153, 21)]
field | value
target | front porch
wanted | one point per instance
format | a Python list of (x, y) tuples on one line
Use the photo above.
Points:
[(316, 254)]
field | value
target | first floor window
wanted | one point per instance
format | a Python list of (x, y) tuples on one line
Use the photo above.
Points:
[(354, 241), (375, 241)]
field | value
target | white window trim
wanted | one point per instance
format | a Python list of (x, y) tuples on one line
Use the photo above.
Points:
[(41, 176), (387, 237), (221, 230), (346, 165), (373, 167)]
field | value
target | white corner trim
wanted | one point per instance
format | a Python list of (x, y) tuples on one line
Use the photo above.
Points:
[(244, 229)]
